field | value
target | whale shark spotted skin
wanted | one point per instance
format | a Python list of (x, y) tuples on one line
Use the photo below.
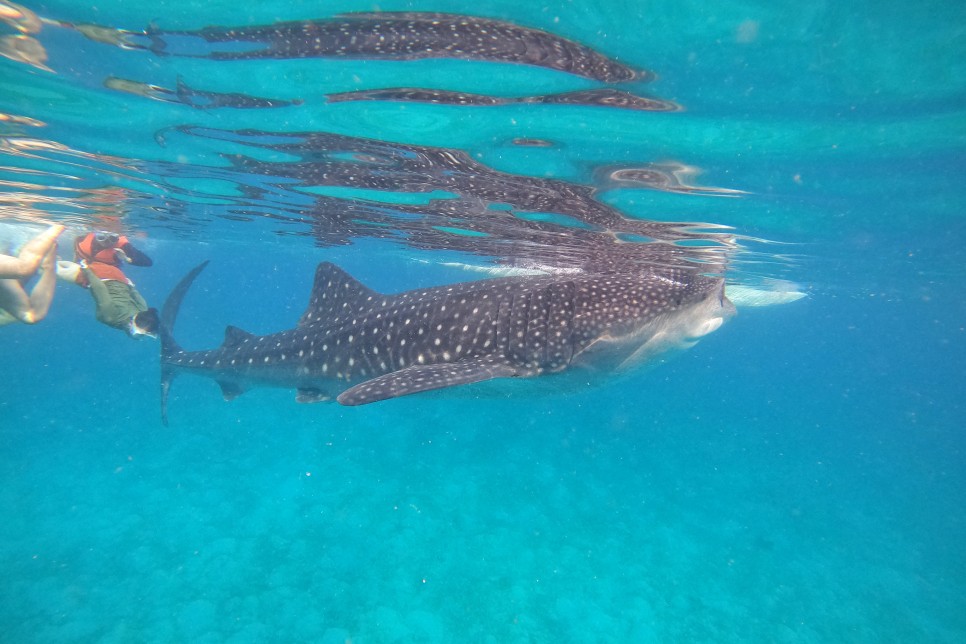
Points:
[(358, 346)]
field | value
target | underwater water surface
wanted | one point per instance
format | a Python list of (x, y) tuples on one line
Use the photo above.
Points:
[(798, 476)]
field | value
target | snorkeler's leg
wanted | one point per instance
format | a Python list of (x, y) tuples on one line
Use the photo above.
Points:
[(33, 308), (10, 267), (6, 318), (43, 292), (31, 255), (13, 301)]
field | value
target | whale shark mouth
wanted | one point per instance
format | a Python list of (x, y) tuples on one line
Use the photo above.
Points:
[(708, 326)]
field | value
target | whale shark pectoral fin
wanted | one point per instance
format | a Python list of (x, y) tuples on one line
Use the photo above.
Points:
[(419, 378), (304, 395), (230, 390)]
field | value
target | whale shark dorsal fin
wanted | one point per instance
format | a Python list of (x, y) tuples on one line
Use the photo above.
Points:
[(336, 293), (235, 336)]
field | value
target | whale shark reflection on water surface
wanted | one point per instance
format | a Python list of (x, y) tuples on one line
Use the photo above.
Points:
[(380, 36), (602, 97)]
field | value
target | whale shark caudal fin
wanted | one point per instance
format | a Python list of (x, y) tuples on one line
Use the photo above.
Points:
[(169, 315)]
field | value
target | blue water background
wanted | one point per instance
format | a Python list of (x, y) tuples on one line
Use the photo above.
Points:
[(798, 476)]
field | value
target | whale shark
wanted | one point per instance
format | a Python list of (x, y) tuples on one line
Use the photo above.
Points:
[(357, 346)]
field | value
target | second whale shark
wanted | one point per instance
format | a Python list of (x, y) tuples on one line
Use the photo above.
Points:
[(358, 346)]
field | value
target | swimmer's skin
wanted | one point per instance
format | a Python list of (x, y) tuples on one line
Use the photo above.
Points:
[(39, 254)]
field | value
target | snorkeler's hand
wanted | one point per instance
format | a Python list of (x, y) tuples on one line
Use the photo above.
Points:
[(121, 255), (68, 271)]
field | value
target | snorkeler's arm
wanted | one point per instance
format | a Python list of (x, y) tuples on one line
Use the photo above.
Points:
[(77, 253), (134, 256), (33, 253)]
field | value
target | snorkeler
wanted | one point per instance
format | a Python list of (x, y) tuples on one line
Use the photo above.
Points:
[(38, 254), (118, 303)]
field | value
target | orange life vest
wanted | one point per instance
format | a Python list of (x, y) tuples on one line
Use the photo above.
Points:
[(103, 263)]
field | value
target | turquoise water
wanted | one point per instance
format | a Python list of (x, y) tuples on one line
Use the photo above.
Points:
[(798, 476)]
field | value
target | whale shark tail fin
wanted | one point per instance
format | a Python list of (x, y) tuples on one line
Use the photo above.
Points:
[(169, 346)]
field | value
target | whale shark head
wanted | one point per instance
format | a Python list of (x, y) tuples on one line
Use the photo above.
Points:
[(682, 330), (702, 310)]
